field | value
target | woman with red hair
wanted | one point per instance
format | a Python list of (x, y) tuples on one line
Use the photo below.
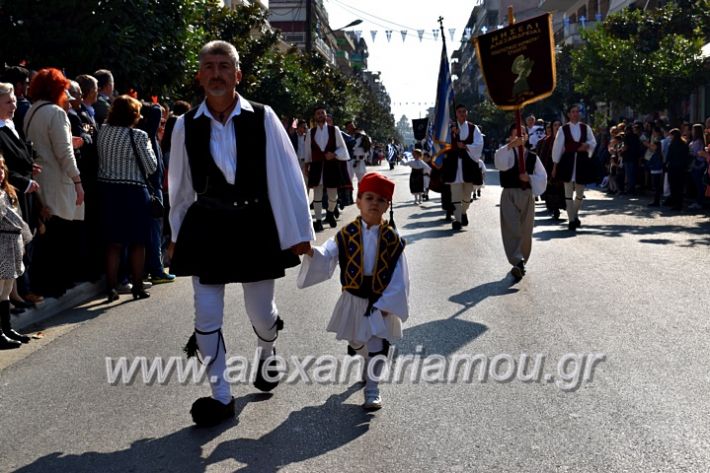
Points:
[(61, 193)]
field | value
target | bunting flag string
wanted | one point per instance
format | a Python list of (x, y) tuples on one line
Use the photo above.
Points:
[(421, 34)]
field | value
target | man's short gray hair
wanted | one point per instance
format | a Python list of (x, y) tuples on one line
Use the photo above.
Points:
[(6, 88), (222, 48)]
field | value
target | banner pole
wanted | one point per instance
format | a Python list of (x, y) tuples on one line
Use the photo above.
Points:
[(518, 115)]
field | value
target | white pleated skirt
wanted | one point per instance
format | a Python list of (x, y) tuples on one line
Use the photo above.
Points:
[(348, 321)]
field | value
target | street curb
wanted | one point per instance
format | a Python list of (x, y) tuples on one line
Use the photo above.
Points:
[(51, 306)]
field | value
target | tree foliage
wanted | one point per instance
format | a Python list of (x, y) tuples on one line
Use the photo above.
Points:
[(146, 40), (644, 59), (152, 46)]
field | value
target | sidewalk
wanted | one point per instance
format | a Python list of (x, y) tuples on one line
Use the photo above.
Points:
[(50, 306)]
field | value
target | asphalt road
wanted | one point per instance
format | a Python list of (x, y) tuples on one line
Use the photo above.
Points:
[(627, 296)]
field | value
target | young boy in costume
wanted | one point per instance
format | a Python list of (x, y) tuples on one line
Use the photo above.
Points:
[(375, 280)]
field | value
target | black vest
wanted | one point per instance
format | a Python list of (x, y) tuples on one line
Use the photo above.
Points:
[(470, 170), (510, 179), (250, 184), (229, 234), (584, 165)]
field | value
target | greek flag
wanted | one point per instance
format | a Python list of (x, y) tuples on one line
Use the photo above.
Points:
[(444, 106), (391, 152)]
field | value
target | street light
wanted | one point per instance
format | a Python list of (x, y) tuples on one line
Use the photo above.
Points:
[(352, 23)]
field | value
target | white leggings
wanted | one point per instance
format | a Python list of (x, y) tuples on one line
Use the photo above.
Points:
[(373, 369), (318, 200), (209, 314), (6, 288)]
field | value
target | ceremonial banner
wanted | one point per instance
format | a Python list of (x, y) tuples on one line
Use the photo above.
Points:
[(420, 127), (518, 62)]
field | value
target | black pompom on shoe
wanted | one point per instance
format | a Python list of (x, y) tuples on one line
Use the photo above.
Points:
[(260, 382), (208, 412)]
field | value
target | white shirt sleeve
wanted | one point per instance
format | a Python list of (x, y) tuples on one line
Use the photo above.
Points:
[(395, 298), (287, 191), (182, 194), (538, 179), (559, 146), (319, 267), (504, 158), (307, 151), (475, 149)]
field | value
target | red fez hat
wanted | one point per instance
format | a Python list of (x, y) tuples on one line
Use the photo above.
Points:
[(377, 183)]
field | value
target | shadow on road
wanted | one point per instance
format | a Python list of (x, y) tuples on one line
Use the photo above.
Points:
[(437, 233), (179, 451), (307, 433), (688, 235), (447, 336)]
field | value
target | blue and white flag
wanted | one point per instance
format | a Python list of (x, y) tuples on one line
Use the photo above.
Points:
[(444, 105)]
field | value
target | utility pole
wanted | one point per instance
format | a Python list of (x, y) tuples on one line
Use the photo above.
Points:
[(309, 26)]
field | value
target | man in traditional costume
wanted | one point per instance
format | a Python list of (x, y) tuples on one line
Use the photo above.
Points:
[(573, 163), (325, 148), (239, 213), (521, 180), (461, 169)]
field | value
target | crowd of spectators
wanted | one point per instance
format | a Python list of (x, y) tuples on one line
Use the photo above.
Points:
[(87, 165), (636, 158)]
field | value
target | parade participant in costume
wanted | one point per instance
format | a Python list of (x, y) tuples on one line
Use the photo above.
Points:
[(392, 154), (361, 149), (14, 235), (325, 148), (375, 280), (437, 184), (573, 165), (416, 179), (517, 203), (461, 168), (554, 195), (345, 189), (239, 214)]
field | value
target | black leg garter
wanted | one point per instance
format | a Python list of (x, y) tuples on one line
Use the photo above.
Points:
[(191, 348), (279, 324)]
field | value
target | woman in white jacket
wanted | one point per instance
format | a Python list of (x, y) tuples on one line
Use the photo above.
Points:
[(60, 190)]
